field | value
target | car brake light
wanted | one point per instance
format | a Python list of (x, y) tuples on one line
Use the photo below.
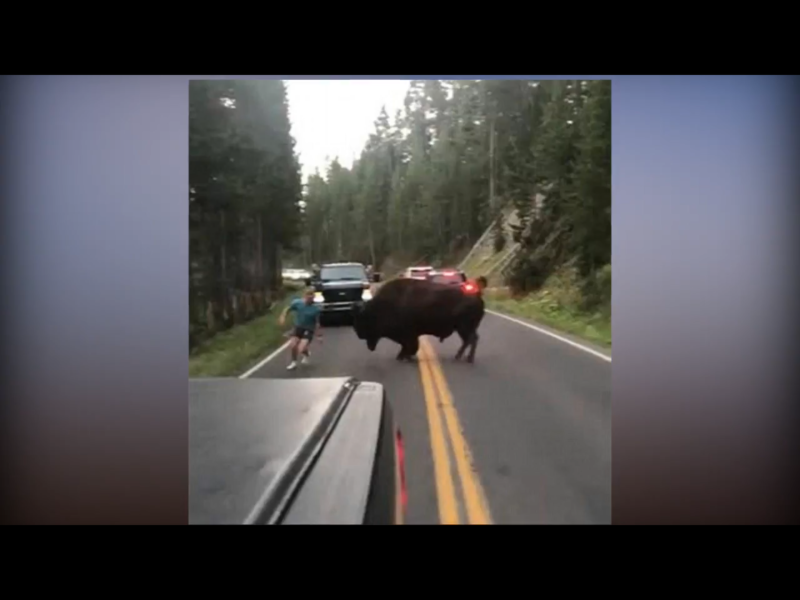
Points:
[(468, 287), (401, 464)]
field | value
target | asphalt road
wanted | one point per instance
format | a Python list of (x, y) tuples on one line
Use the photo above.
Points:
[(522, 436)]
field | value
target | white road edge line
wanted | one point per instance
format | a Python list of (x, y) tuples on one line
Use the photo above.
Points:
[(551, 334), (265, 361)]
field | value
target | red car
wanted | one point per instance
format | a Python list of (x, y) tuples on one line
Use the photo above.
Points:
[(453, 277)]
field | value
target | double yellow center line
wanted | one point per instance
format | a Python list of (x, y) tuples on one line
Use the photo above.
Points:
[(439, 402)]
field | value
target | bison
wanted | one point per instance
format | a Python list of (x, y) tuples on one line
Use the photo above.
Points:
[(405, 309)]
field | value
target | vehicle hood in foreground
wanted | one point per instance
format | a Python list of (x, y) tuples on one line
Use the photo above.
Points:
[(249, 437)]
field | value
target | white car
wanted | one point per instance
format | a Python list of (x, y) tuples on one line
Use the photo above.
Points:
[(417, 272), (296, 274)]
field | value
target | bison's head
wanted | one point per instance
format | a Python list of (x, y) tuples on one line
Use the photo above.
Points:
[(364, 325)]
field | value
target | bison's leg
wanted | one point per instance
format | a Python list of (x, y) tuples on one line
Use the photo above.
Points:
[(473, 346), (410, 348), (469, 338), (399, 340), (464, 335)]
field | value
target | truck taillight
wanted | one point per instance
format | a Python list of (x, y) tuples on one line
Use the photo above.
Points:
[(401, 465)]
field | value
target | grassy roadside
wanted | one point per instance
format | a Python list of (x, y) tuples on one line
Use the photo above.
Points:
[(593, 328), (556, 305), (230, 353)]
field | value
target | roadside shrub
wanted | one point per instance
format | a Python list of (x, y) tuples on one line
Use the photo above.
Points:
[(597, 289), (603, 277)]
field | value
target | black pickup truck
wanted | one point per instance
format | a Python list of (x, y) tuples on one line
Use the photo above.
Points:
[(340, 286), (293, 451)]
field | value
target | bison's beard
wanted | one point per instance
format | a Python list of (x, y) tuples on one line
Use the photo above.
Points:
[(372, 344)]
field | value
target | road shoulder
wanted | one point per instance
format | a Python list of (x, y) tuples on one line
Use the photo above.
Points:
[(496, 310)]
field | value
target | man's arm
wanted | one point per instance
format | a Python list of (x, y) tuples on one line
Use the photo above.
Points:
[(282, 318)]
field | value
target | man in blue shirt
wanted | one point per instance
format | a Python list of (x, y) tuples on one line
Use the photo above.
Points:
[(306, 324)]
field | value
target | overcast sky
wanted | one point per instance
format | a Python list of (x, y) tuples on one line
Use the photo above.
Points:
[(335, 117)]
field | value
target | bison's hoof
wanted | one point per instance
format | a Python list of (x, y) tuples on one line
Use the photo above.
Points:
[(470, 359)]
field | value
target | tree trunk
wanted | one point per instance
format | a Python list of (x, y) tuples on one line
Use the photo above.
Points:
[(268, 269), (278, 267), (223, 264), (371, 244), (223, 258)]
